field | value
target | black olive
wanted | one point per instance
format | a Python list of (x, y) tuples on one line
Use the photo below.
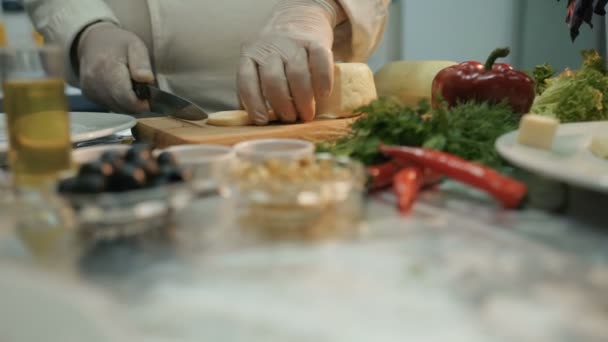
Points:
[(95, 168), (113, 158), (150, 167), (173, 174), (109, 156), (165, 159), (127, 177), (88, 184), (66, 186), (138, 152), (160, 180)]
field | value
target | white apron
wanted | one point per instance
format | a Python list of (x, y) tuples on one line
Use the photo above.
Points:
[(195, 44)]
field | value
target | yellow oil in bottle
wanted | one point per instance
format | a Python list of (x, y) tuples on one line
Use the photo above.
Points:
[(3, 36), (38, 129)]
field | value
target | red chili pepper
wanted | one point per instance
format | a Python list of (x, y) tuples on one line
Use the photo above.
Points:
[(382, 174), (508, 191), (431, 177), (490, 82), (406, 185)]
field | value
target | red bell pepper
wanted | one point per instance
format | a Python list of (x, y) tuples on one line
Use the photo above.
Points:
[(490, 82), (510, 192), (406, 185)]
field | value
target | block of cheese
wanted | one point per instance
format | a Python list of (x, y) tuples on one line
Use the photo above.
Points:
[(234, 118), (409, 81), (599, 146), (537, 131), (354, 87)]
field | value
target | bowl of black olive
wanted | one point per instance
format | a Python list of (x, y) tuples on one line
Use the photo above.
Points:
[(121, 191)]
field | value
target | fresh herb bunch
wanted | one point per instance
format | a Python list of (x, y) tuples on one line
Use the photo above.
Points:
[(471, 130), (468, 130), (383, 121)]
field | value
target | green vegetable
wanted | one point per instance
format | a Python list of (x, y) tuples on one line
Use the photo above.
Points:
[(468, 130), (541, 74), (575, 96), (473, 128), (385, 121), (593, 60)]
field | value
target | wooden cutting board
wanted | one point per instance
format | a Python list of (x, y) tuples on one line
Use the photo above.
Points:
[(164, 132)]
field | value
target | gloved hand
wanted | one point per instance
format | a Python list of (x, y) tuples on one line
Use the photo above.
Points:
[(290, 62), (109, 58)]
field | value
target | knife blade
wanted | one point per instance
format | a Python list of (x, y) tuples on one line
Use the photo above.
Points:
[(168, 104)]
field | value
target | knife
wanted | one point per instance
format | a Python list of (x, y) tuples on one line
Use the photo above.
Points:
[(162, 102)]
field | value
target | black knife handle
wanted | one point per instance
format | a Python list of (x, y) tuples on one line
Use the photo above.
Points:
[(141, 90)]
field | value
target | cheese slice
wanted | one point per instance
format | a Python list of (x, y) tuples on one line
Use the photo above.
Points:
[(537, 131), (354, 87), (234, 118), (599, 146)]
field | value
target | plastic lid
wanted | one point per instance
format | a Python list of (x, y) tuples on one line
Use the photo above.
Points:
[(264, 149)]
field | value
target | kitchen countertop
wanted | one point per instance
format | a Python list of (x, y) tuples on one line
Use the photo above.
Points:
[(457, 269)]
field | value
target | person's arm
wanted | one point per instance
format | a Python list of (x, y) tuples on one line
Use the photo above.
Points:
[(101, 58), (61, 21), (290, 64), (356, 38)]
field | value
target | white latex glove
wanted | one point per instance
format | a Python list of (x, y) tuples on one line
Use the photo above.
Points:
[(109, 59), (290, 62)]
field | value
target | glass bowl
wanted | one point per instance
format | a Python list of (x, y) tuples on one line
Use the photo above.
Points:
[(111, 216), (309, 198), (208, 163)]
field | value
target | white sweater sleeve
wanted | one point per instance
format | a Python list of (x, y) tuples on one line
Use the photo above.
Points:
[(60, 21), (356, 39)]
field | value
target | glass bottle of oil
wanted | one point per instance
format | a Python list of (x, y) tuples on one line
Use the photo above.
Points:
[(36, 114), (3, 35), (46, 226)]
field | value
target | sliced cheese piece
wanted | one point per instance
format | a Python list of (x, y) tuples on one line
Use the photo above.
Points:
[(409, 81), (354, 87), (599, 146), (234, 118), (229, 118), (537, 131)]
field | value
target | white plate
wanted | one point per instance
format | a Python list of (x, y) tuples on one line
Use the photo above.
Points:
[(85, 126), (569, 161)]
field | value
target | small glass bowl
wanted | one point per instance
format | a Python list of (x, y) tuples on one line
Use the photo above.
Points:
[(296, 204), (112, 216), (280, 149), (208, 163)]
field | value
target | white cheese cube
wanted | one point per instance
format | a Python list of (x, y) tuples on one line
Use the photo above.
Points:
[(537, 131), (599, 146), (354, 87)]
